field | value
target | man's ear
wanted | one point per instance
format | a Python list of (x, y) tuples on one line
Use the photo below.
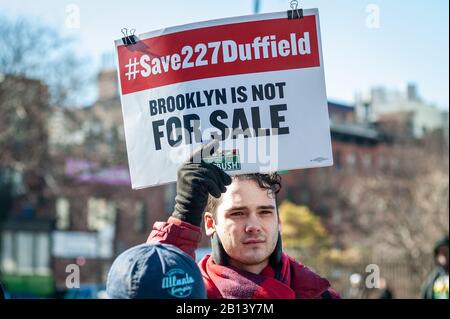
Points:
[(210, 224)]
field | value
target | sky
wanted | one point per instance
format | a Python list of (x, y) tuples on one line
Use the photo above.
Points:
[(365, 43)]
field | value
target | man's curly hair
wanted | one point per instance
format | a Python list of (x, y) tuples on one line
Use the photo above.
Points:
[(271, 182)]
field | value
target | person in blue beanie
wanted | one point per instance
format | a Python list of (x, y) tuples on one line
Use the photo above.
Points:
[(155, 271)]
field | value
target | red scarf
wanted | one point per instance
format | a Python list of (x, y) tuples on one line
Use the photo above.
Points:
[(296, 281)]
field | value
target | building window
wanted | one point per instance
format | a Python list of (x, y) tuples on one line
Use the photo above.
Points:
[(13, 179), (367, 162), (351, 161), (8, 263), (140, 213), (25, 253), (101, 213), (62, 214), (337, 160), (18, 183), (383, 163), (42, 253)]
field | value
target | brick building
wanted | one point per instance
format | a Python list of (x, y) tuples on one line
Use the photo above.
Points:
[(26, 214), (75, 205), (95, 202)]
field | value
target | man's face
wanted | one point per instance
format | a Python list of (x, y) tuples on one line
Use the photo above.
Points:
[(247, 223)]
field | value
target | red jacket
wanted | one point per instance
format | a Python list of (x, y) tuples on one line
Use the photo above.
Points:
[(229, 282)]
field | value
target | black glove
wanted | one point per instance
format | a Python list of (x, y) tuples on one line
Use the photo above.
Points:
[(196, 179)]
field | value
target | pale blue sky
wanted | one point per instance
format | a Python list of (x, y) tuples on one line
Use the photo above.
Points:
[(411, 44)]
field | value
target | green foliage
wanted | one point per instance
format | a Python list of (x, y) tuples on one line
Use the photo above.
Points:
[(301, 229), (38, 285), (306, 239)]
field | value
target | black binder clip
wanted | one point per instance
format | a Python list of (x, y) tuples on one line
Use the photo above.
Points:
[(295, 13), (129, 39)]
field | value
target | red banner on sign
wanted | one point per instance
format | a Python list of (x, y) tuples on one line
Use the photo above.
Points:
[(233, 49)]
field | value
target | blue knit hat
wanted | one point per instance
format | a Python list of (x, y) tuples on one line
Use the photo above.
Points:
[(158, 271)]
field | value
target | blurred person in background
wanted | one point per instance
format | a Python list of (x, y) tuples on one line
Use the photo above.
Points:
[(2, 293), (355, 291), (384, 290), (436, 285)]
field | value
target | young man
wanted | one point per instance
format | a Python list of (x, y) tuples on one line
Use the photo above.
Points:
[(242, 220)]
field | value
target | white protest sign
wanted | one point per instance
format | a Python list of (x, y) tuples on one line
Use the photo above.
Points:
[(256, 83)]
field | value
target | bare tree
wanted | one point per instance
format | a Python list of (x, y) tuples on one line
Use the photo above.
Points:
[(38, 70), (33, 50), (401, 213)]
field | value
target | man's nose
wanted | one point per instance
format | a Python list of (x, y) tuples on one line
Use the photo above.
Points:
[(253, 225)]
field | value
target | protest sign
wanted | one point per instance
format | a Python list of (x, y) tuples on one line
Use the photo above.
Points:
[(256, 83)]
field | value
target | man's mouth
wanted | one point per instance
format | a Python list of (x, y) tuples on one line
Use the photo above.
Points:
[(254, 241)]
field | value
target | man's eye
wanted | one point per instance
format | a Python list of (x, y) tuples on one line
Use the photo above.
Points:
[(266, 212), (237, 214)]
